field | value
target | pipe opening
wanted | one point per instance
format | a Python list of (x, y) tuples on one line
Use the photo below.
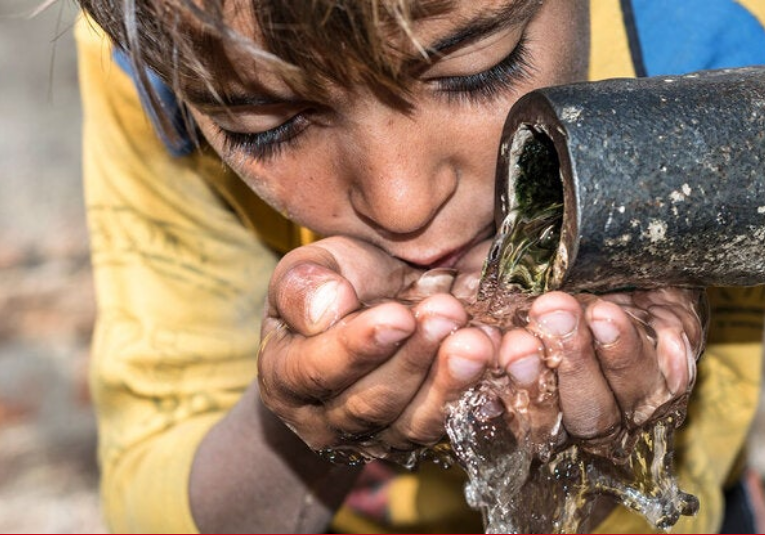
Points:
[(535, 176), (533, 214)]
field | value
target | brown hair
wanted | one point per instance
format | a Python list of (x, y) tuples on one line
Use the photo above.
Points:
[(308, 42)]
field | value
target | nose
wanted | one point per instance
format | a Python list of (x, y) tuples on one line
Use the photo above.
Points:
[(402, 172)]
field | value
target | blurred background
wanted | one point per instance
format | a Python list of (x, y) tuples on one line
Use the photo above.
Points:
[(48, 479), (48, 476)]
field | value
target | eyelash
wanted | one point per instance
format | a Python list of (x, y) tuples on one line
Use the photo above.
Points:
[(268, 144), (487, 85), (475, 88)]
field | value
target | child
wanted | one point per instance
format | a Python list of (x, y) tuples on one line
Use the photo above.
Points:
[(374, 124)]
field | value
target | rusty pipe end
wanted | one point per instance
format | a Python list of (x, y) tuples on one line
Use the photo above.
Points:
[(535, 169), (661, 178)]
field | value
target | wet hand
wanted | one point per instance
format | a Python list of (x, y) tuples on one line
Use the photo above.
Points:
[(622, 360), (342, 362)]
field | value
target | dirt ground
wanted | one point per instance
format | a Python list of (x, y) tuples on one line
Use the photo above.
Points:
[(48, 475)]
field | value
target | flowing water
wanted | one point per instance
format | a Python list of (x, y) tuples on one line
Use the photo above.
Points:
[(540, 484)]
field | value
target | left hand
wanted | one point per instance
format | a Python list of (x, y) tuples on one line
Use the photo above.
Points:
[(623, 359)]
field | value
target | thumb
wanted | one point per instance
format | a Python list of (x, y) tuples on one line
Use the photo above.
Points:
[(309, 298)]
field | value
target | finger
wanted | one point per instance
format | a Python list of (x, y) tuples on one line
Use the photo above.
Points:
[(313, 286), (310, 298), (307, 422), (469, 270), (675, 356), (534, 391), (466, 286), (586, 400), (688, 305), (627, 358), (315, 368), (371, 271), (626, 302), (379, 397), (462, 359), (433, 281)]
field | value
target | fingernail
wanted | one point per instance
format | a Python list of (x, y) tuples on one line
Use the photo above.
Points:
[(558, 323), (322, 300), (438, 328), (388, 336), (605, 332), (690, 357), (525, 371), (464, 369)]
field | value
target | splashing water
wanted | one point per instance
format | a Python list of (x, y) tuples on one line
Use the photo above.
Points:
[(534, 484), (537, 483), (520, 492)]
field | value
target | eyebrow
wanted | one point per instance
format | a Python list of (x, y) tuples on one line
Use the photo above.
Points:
[(204, 99), (485, 24)]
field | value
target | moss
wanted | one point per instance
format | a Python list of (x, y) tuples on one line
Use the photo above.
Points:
[(538, 185)]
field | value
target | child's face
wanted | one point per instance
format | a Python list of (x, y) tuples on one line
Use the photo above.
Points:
[(418, 182)]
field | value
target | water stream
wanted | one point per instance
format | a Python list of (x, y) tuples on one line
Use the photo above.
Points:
[(541, 482), (534, 484)]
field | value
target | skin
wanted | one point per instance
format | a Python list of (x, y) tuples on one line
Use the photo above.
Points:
[(399, 192)]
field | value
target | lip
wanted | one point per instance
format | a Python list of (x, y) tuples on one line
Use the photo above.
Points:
[(450, 258)]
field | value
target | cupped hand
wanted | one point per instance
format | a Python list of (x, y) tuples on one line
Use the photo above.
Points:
[(622, 360), (342, 362)]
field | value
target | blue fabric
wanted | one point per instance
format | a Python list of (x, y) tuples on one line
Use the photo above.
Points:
[(169, 103), (680, 36)]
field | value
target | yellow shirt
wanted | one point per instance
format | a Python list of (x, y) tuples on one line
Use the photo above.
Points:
[(181, 270)]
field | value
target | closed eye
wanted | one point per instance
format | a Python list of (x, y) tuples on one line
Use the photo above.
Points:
[(267, 144), (489, 84)]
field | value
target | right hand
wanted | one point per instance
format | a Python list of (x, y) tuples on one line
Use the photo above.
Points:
[(342, 362)]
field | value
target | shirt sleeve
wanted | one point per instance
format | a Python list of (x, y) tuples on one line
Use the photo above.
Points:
[(180, 287)]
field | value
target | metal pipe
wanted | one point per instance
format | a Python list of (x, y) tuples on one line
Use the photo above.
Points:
[(662, 179)]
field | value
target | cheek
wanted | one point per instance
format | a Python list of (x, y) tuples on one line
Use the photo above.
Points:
[(264, 187), (473, 138), (285, 184), (265, 183), (305, 194), (296, 192), (475, 133)]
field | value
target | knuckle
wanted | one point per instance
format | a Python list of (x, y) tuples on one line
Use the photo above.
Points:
[(278, 405), (425, 436), (665, 315), (651, 408), (316, 383), (621, 365), (422, 430), (364, 414), (595, 421), (414, 364), (277, 396)]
